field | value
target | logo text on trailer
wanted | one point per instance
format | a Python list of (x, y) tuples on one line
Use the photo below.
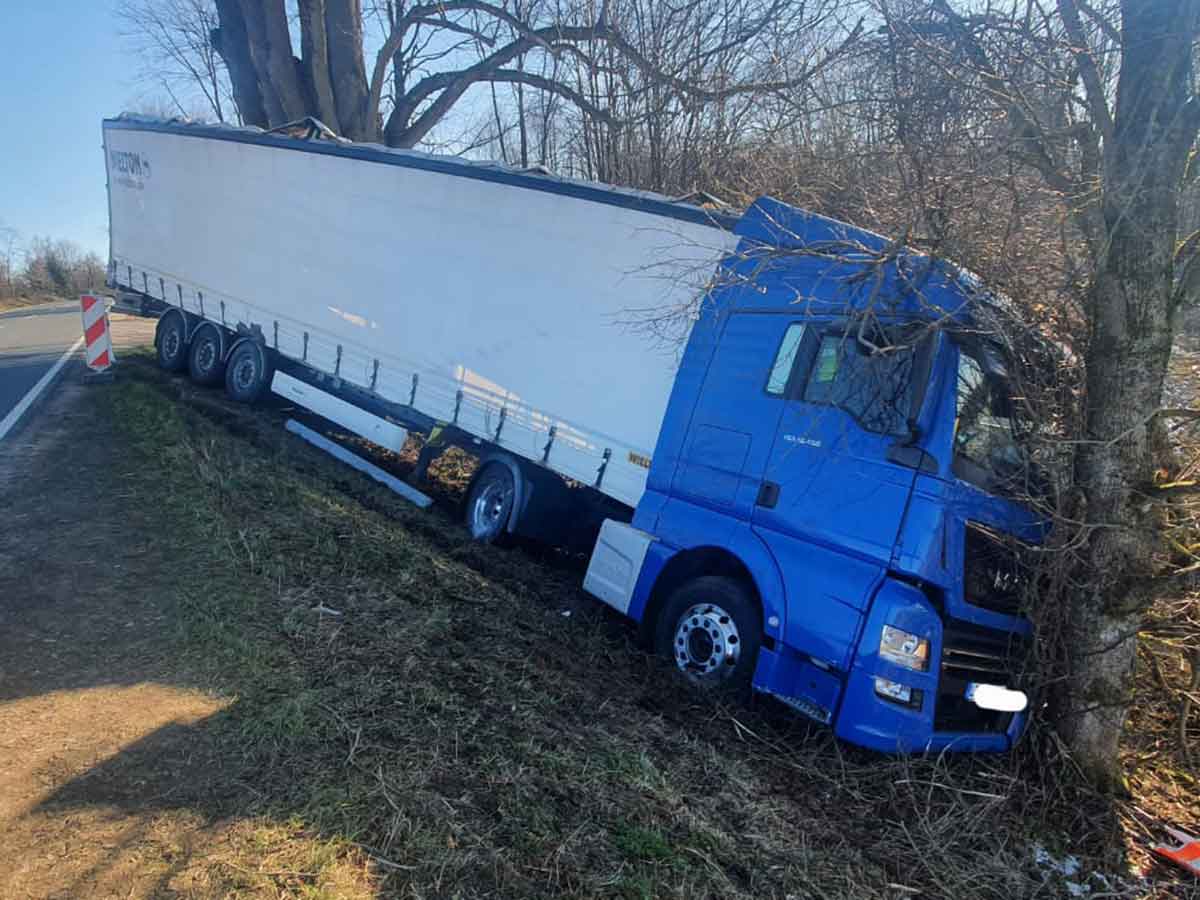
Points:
[(131, 168)]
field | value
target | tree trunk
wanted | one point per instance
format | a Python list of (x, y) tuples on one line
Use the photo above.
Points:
[(1126, 362), (347, 71), (314, 63), (1130, 308), (255, 43), (232, 42), (271, 52)]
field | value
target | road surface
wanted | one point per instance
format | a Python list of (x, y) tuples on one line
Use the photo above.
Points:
[(31, 341)]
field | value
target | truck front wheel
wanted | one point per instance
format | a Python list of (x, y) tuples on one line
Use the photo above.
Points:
[(711, 628), (490, 503)]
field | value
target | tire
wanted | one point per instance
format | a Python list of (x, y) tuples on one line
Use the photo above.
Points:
[(711, 629), (170, 342), (248, 372), (489, 503), (205, 365)]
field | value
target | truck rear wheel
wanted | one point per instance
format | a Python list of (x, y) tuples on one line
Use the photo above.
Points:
[(711, 629), (248, 372), (490, 503), (204, 357), (170, 342)]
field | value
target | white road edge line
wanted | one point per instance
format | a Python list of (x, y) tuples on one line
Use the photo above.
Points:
[(14, 415)]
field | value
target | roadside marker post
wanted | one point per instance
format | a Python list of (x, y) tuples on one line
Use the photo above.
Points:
[(99, 350)]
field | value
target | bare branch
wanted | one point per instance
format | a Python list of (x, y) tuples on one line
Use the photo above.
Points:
[(513, 76), (1093, 86)]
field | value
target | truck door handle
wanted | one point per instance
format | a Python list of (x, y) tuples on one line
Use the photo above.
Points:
[(768, 494)]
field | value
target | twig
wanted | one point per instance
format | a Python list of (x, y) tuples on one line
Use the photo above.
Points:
[(1186, 708), (381, 860), (948, 787)]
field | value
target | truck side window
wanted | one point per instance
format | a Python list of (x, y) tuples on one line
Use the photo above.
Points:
[(785, 359), (875, 388), (983, 426)]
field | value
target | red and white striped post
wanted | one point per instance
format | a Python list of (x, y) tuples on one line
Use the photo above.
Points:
[(1186, 855), (99, 353)]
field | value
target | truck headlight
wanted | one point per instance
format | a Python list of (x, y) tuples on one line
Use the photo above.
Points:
[(898, 693), (904, 649)]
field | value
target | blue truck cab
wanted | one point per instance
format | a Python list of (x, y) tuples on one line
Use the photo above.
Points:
[(823, 519)]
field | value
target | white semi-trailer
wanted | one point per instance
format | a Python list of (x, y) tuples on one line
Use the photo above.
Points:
[(508, 303), (775, 501)]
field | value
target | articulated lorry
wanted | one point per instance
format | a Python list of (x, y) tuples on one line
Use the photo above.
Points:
[(781, 438)]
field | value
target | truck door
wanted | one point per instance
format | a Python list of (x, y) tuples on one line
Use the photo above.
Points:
[(737, 414), (831, 503)]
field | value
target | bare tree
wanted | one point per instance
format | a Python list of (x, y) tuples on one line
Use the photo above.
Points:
[(663, 134), (173, 40), (436, 52), (60, 267), (1097, 103), (90, 273), (8, 253)]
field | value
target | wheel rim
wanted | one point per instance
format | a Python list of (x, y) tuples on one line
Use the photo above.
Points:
[(489, 512), (206, 355), (707, 643), (171, 344), (245, 373)]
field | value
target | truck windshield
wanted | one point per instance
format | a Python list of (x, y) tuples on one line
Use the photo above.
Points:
[(986, 448)]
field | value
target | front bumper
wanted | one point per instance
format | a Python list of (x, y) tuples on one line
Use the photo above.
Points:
[(944, 719)]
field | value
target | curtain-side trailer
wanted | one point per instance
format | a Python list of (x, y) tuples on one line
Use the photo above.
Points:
[(783, 506)]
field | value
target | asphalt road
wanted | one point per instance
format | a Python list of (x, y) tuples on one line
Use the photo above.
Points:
[(31, 341)]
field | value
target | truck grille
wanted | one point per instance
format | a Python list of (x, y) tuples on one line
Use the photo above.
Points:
[(995, 576), (971, 653)]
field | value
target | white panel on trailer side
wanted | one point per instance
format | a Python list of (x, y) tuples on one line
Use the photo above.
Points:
[(427, 277)]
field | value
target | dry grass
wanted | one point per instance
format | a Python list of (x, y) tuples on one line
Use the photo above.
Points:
[(1162, 745), (20, 301), (470, 724), (1162, 750)]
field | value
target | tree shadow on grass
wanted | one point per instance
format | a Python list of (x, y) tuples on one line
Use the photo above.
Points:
[(168, 815)]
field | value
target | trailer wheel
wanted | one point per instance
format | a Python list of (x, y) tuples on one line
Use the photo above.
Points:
[(711, 629), (248, 372), (170, 341), (204, 358), (490, 503)]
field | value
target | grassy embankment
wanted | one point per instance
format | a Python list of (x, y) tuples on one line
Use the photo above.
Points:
[(468, 719)]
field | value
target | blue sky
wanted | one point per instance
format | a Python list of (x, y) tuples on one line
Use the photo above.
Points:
[(62, 69)]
